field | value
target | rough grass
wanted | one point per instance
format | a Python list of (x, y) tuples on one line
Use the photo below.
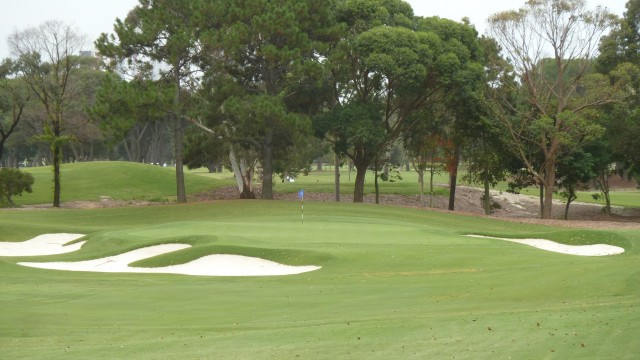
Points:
[(395, 283)]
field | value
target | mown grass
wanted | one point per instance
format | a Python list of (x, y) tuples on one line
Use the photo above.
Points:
[(115, 179), (395, 283), (135, 181)]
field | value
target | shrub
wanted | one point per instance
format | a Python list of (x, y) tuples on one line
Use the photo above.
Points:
[(13, 182)]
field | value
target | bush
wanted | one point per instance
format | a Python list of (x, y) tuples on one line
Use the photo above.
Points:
[(13, 182)]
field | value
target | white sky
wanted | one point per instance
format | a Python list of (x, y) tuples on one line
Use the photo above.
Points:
[(93, 17)]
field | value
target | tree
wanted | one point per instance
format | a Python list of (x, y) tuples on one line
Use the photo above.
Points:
[(47, 64), (388, 66), (574, 172), (13, 182), (159, 32), (620, 59), (84, 86), (553, 113), (486, 153), (14, 95), (425, 144), (132, 114), (263, 52)]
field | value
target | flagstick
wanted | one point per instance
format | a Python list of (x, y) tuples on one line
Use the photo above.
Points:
[(302, 206)]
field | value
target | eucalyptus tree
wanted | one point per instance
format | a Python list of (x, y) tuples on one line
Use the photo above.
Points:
[(47, 57), (158, 36), (556, 114)]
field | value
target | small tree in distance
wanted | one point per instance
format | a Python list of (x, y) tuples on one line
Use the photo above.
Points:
[(13, 182)]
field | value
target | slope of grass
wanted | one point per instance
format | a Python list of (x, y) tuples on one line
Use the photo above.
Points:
[(395, 283), (115, 179)]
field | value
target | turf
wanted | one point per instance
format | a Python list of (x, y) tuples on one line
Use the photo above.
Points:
[(395, 283), (115, 179)]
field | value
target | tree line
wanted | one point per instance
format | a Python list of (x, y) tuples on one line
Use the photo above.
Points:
[(546, 99)]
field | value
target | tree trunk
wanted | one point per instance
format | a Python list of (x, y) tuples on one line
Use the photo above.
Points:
[(572, 196), (56, 149), (377, 186), (180, 186), (337, 176), (421, 182), (603, 183), (267, 165), (179, 129), (237, 172), (431, 174), (57, 160), (487, 194), (453, 179), (358, 191), (541, 197), (549, 185)]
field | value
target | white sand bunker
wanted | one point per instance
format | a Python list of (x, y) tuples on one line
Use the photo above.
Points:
[(47, 244), (581, 250), (210, 265)]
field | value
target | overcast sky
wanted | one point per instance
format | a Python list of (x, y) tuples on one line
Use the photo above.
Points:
[(93, 17)]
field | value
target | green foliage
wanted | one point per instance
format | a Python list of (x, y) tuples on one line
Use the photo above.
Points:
[(619, 60), (13, 182), (121, 104), (385, 65), (262, 90), (555, 109), (14, 95)]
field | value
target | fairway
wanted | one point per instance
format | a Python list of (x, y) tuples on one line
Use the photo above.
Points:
[(393, 283)]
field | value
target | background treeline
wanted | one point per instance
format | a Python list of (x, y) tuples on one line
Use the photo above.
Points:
[(548, 98)]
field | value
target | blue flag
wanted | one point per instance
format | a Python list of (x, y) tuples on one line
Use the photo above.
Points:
[(301, 194)]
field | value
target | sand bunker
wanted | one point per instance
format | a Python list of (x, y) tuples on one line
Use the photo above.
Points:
[(47, 244), (211, 265), (581, 250)]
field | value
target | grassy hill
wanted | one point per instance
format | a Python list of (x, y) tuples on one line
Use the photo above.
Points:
[(115, 179)]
